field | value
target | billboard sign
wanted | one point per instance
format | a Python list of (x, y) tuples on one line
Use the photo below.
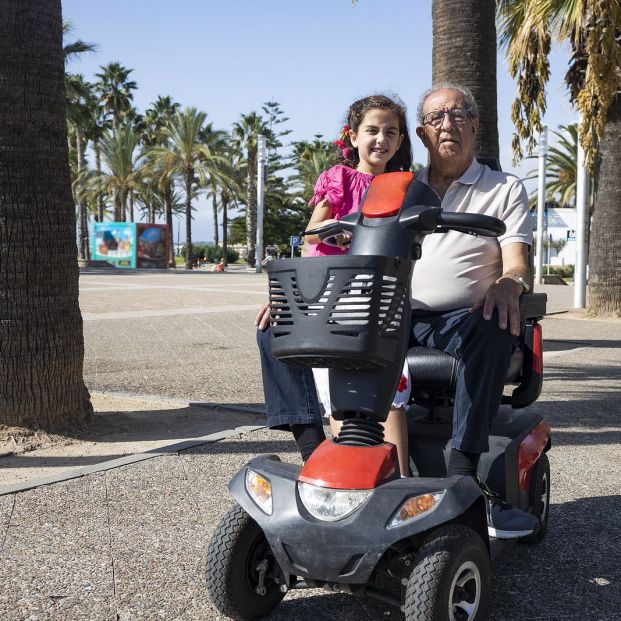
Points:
[(115, 242)]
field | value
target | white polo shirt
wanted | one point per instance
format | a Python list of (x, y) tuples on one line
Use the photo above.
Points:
[(456, 269)]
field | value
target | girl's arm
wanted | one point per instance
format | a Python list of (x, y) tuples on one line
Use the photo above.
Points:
[(321, 215)]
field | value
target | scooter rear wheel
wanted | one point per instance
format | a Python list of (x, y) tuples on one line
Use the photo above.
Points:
[(241, 568), (450, 580)]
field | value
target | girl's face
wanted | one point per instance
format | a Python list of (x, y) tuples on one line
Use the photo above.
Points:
[(377, 139)]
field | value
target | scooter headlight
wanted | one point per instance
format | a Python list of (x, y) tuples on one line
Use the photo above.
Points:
[(416, 507), (329, 504), (260, 491)]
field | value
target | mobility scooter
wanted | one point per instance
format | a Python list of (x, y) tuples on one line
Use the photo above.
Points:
[(346, 521)]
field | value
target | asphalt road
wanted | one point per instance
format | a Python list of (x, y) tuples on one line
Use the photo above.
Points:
[(129, 542)]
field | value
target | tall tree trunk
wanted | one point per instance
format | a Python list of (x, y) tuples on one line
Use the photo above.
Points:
[(215, 217), (131, 208), (171, 239), (189, 176), (251, 209), (117, 206), (83, 251), (100, 202), (41, 340), (225, 225), (605, 247), (464, 52)]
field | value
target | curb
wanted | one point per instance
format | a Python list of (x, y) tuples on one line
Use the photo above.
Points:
[(129, 459)]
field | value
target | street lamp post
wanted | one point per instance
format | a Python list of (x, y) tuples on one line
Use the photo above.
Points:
[(541, 201), (261, 162)]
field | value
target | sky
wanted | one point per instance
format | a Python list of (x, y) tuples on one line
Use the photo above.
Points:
[(314, 57)]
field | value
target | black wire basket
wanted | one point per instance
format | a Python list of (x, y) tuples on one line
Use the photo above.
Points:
[(343, 311)]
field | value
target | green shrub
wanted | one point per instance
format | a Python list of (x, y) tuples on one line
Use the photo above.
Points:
[(564, 271), (214, 253)]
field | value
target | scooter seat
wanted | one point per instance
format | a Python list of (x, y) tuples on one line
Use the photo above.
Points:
[(433, 368)]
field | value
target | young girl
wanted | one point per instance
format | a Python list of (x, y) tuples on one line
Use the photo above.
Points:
[(374, 140)]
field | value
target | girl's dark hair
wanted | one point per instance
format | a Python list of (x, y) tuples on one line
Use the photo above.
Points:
[(402, 159)]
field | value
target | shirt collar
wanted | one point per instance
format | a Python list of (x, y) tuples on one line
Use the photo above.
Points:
[(470, 176)]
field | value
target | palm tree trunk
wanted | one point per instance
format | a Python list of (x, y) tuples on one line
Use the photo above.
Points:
[(605, 248), (171, 243), (84, 240), (251, 209), (215, 216), (100, 203), (117, 206), (464, 52), (225, 225), (123, 206), (80, 149), (189, 176), (131, 208), (41, 340)]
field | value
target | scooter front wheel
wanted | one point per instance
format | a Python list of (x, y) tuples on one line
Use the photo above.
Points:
[(451, 577), (241, 569)]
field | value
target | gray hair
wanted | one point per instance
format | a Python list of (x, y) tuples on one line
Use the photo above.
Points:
[(469, 103)]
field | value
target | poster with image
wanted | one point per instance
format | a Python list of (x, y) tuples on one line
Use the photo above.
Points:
[(115, 242)]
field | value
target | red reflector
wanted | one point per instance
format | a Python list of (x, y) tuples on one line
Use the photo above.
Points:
[(385, 194), (537, 349)]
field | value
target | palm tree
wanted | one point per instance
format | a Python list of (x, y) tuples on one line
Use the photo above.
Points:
[(464, 52), (593, 29), (187, 159), (41, 338), (561, 169), (81, 120), (116, 91), (310, 159), (123, 159), (244, 139), (217, 141), (73, 49), (157, 118)]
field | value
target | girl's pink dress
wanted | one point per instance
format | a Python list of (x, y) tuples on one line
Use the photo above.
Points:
[(343, 187)]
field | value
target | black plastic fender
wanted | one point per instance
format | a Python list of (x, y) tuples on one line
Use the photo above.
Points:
[(345, 551)]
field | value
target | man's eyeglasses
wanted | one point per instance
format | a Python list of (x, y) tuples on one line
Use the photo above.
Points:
[(435, 118)]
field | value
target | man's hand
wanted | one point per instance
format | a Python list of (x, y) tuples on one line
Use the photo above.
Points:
[(504, 297), (262, 319)]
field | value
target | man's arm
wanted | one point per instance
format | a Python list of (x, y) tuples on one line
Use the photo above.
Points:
[(504, 295)]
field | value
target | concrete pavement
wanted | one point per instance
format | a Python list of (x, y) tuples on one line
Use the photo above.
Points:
[(129, 542)]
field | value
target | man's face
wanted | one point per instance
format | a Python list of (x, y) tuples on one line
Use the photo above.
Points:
[(450, 140)]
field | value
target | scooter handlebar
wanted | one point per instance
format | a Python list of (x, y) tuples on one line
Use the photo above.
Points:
[(329, 233), (431, 220), (470, 223)]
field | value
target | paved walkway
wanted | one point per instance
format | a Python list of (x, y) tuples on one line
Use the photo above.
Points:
[(129, 542)]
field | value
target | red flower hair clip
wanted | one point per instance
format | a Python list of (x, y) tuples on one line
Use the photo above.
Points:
[(342, 142)]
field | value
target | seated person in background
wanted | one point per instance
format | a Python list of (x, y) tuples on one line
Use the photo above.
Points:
[(219, 267)]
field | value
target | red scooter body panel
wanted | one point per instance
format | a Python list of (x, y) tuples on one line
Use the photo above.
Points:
[(529, 452), (350, 467)]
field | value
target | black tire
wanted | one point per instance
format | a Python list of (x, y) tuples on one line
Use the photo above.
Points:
[(539, 497), (235, 550), (450, 580)]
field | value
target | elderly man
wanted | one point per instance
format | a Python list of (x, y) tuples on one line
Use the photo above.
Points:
[(466, 290), (465, 295)]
